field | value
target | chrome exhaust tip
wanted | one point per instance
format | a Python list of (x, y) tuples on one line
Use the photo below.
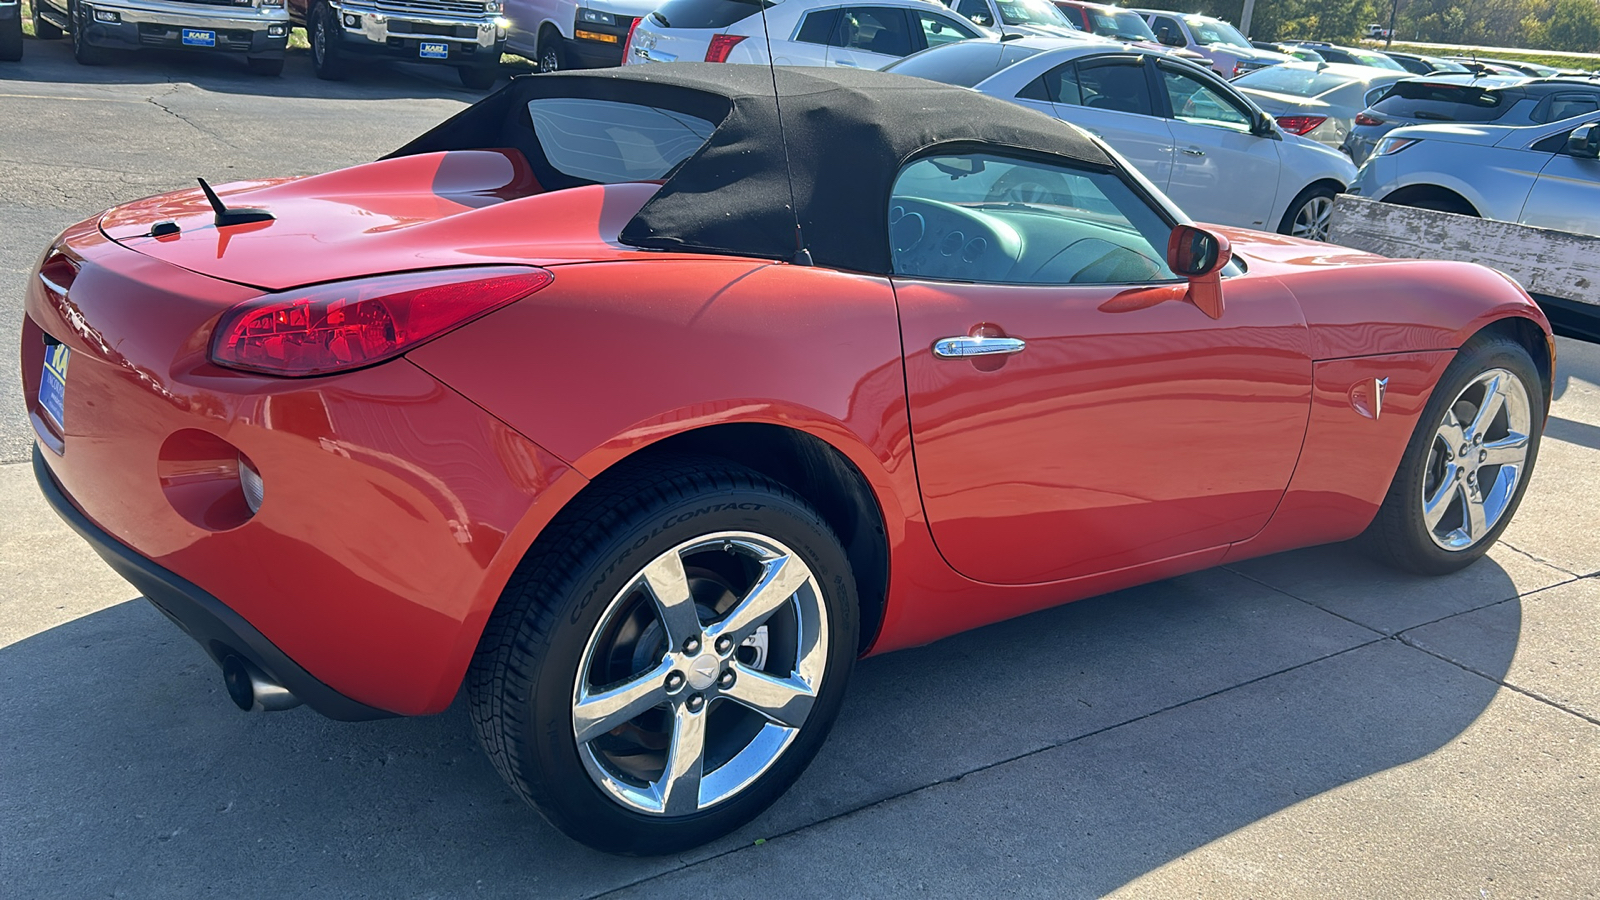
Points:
[(251, 690)]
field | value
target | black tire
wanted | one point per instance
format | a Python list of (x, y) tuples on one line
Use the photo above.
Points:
[(327, 50), (523, 677), (11, 38), (1315, 194), (84, 52), (1400, 535), (265, 66), (479, 78), (552, 51), (43, 28)]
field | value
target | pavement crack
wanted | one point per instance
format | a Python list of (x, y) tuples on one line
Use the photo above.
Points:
[(153, 101), (977, 770), (1310, 603), (1542, 561), (1531, 694)]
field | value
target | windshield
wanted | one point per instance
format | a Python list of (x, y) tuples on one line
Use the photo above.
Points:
[(1296, 80), (1214, 31), (1031, 12), (1121, 24), (963, 63)]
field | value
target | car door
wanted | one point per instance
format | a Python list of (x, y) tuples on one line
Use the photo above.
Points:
[(1070, 412), (870, 37), (937, 29), (1222, 170), (1566, 194), (976, 11), (1109, 96), (812, 39)]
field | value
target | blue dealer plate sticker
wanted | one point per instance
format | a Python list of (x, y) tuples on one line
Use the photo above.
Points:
[(433, 50), (53, 385), (195, 37)]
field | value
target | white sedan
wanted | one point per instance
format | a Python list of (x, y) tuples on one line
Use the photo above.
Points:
[(866, 35), (1216, 154)]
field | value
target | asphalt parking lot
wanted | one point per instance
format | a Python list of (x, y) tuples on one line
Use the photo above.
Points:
[(1303, 725)]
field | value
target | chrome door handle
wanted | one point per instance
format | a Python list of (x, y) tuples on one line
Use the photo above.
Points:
[(1194, 151), (968, 345)]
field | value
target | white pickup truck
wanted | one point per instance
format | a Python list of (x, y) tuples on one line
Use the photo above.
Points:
[(255, 29)]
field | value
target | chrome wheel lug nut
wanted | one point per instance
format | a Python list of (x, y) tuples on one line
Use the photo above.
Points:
[(691, 646), (727, 679), (724, 645), (674, 681), (697, 703)]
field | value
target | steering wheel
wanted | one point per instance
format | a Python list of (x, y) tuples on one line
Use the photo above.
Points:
[(1031, 187)]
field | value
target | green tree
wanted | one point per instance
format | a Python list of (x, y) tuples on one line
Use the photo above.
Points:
[(1574, 25)]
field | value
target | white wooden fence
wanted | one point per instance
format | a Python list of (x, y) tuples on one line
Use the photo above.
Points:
[(1548, 264)]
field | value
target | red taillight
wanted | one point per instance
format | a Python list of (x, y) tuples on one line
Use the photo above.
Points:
[(721, 46), (1365, 119), (349, 324), (1300, 124), (627, 45)]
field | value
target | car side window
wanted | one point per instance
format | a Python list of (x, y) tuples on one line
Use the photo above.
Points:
[(1565, 106), (977, 11), (818, 26), (1059, 85), (875, 29), (1199, 103), (1166, 25), (1118, 85), (992, 219), (937, 29)]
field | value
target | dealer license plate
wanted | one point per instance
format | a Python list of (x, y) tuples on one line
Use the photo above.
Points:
[(53, 385), (432, 50), (195, 37)]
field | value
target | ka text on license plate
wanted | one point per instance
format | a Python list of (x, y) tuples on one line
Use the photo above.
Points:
[(433, 50), (195, 37)]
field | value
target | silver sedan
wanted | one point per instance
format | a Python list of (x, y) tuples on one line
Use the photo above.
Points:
[(1218, 156)]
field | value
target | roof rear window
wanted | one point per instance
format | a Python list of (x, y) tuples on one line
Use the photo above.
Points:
[(1442, 102), (1294, 80), (608, 142), (707, 13), (962, 64)]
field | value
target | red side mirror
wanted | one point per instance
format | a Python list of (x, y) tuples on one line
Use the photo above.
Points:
[(1199, 255)]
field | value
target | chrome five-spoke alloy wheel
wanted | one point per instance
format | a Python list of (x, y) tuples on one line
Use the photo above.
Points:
[(700, 673), (1477, 459), (1311, 221)]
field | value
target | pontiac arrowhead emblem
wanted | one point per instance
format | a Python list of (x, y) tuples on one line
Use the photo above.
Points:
[(1366, 397)]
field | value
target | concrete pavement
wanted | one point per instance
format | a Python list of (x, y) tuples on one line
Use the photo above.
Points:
[(1308, 724)]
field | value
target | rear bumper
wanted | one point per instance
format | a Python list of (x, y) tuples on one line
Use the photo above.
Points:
[(214, 626), (394, 509)]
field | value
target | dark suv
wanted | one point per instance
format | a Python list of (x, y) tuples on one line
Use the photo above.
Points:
[(1479, 101)]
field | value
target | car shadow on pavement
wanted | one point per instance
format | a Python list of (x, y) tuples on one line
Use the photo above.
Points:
[(51, 62), (1133, 728)]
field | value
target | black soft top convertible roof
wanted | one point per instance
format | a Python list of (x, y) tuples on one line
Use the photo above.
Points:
[(848, 132)]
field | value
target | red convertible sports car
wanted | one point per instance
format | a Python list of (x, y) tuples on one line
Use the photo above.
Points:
[(641, 413)]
